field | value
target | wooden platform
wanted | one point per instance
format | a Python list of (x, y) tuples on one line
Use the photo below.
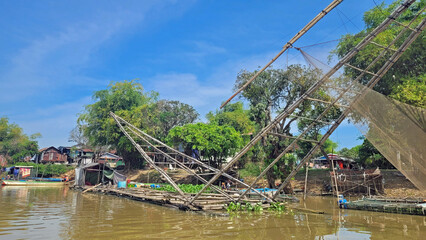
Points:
[(206, 202), (390, 205)]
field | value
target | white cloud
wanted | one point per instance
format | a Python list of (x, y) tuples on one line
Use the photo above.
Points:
[(55, 122), (57, 59)]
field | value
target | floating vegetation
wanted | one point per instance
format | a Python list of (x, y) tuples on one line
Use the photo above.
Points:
[(186, 188)]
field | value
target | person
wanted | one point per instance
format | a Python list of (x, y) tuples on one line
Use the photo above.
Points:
[(228, 185), (66, 179), (223, 185), (15, 173)]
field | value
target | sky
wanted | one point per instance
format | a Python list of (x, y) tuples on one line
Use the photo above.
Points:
[(55, 54)]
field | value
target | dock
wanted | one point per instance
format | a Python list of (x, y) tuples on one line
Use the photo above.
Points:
[(206, 202), (389, 205)]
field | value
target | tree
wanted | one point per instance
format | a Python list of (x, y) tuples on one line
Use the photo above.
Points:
[(214, 143), (352, 153), (274, 91), (411, 91), (77, 136), (14, 144), (128, 100), (173, 113), (369, 156), (234, 115), (409, 66), (405, 81)]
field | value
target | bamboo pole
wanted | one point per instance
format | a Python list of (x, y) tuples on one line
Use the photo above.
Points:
[(306, 181), (370, 85), (191, 158), (91, 188), (181, 165), (311, 90), (147, 158), (288, 45)]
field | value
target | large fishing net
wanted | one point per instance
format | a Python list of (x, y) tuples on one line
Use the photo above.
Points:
[(397, 130)]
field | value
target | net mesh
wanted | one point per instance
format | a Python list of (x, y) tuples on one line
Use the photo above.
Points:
[(397, 130)]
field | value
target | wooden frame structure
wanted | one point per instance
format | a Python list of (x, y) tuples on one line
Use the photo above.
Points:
[(415, 32), (155, 145), (339, 101)]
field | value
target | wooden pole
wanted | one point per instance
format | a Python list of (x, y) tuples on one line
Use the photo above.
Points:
[(370, 85), (147, 158), (167, 156), (306, 180), (91, 188), (191, 158), (288, 45)]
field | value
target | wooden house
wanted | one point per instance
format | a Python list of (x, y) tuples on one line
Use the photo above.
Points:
[(51, 155)]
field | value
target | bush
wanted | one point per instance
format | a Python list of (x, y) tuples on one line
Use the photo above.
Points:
[(251, 170)]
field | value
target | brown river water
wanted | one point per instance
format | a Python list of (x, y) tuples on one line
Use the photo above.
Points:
[(60, 213)]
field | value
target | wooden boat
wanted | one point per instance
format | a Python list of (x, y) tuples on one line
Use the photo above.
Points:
[(32, 183)]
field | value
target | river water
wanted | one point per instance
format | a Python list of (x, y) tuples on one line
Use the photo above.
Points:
[(60, 213)]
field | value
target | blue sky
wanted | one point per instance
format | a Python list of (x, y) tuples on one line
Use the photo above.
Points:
[(55, 54)]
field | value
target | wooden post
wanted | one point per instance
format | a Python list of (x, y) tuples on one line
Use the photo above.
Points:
[(306, 180), (147, 158), (182, 165), (183, 156)]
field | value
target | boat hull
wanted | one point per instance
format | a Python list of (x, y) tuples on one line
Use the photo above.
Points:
[(31, 183)]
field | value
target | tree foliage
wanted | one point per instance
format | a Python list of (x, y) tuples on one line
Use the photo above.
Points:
[(409, 66), (173, 113), (405, 81), (234, 115), (128, 100), (272, 92), (215, 143), (14, 144)]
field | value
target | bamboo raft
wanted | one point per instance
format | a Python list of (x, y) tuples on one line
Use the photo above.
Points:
[(206, 202), (389, 205)]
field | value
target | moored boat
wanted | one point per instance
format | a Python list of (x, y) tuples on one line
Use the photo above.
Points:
[(31, 183)]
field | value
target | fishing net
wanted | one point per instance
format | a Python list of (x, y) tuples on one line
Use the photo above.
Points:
[(397, 130)]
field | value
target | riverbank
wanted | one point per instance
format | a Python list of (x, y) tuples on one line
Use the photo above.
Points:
[(395, 184)]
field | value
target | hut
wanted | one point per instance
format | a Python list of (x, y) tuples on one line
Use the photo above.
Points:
[(95, 173)]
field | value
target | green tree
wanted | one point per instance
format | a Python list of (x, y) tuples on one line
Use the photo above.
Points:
[(410, 65), (173, 113), (352, 153), (14, 144), (128, 100), (411, 91), (405, 81), (272, 92), (234, 115), (215, 143), (369, 156)]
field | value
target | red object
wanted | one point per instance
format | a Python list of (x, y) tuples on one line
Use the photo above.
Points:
[(128, 181), (25, 172)]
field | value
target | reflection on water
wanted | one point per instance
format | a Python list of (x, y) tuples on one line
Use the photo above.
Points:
[(58, 213)]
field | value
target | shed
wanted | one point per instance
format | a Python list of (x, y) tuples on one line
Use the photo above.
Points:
[(95, 173)]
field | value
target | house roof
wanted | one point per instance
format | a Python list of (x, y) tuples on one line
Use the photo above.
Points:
[(47, 148), (110, 156)]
